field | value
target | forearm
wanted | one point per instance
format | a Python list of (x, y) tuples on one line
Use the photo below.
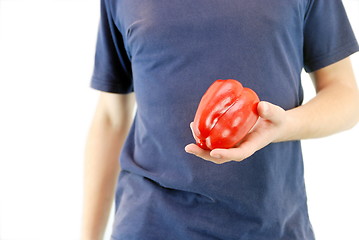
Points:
[(109, 128), (101, 169), (334, 109)]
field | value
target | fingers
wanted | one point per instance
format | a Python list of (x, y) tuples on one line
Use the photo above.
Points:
[(247, 147), (232, 154), (204, 154), (252, 143), (270, 112)]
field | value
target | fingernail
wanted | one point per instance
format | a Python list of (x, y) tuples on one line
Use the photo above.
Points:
[(264, 108)]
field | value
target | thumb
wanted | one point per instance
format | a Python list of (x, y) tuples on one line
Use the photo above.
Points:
[(270, 112)]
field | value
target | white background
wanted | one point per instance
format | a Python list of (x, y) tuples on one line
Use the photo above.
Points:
[(46, 59)]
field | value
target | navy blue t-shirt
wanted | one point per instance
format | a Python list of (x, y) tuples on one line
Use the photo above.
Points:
[(169, 53)]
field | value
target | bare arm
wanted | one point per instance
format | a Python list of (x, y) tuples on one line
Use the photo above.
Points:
[(109, 128), (335, 108)]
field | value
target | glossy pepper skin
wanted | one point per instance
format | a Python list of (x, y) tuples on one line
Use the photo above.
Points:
[(226, 113)]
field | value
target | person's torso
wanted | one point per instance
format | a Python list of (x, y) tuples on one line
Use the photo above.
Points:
[(177, 49)]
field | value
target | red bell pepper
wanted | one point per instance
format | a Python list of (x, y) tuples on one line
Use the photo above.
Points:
[(226, 113)]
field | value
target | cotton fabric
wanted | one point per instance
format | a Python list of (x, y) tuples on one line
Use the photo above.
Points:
[(169, 53)]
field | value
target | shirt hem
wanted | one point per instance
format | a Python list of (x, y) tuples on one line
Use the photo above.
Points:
[(108, 87), (331, 58)]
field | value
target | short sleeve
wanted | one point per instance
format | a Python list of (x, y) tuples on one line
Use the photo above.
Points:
[(112, 68), (328, 36)]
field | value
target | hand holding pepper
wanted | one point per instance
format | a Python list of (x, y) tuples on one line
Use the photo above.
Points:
[(270, 127), (224, 123)]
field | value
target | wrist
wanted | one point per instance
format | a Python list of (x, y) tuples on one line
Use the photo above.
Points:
[(292, 127)]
